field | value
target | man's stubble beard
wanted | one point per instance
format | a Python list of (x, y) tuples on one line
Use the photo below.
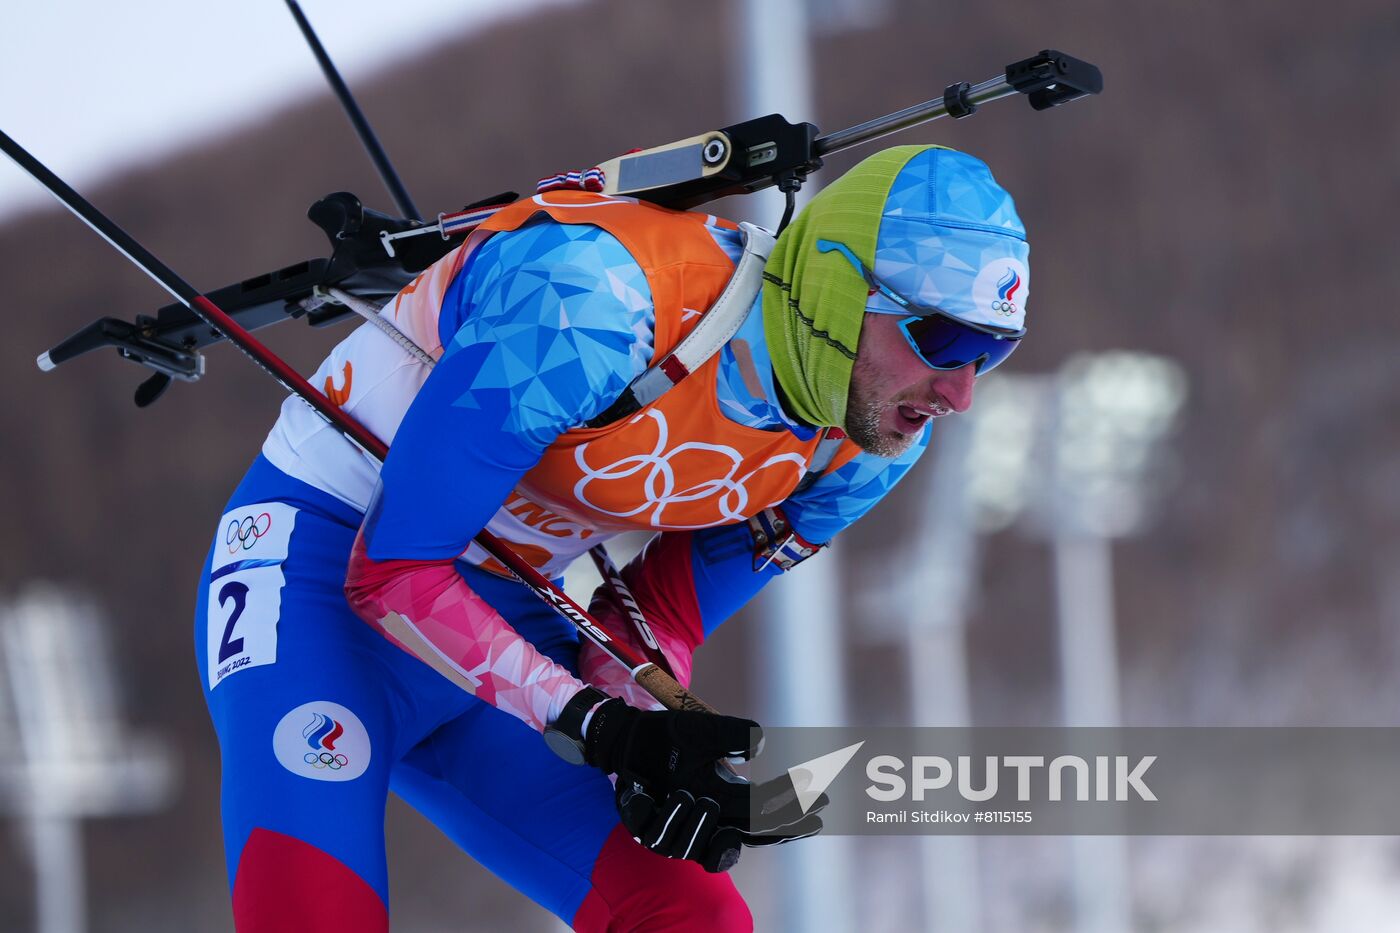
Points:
[(865, 410)]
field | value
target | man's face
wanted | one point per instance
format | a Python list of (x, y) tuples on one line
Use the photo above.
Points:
[(894, 393)]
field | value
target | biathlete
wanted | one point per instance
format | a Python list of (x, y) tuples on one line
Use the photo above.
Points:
[(555, 416)]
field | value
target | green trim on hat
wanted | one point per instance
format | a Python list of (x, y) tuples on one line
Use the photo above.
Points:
[(814, 303)]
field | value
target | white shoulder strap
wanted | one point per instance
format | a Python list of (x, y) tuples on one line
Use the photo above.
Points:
[(721, 322)]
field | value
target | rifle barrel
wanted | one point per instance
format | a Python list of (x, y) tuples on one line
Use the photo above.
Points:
[(991, 89)]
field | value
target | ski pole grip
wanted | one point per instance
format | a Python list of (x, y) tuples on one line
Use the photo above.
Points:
[(668, 691)]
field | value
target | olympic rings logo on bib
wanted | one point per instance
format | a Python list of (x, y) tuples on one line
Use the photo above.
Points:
[(243, 533), (656, 483)]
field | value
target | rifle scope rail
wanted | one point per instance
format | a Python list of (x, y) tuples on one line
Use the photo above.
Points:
[(738, 159)]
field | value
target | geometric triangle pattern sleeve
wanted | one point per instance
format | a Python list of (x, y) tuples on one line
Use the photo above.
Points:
[(541, 331), (838, 498), (427, 609)]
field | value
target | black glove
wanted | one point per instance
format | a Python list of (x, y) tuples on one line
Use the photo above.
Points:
[(675, 828), (675, 794)]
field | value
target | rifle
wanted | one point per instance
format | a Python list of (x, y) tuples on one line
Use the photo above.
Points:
[(373, 254)]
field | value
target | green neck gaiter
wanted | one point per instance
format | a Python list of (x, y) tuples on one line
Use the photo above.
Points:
[(814, 303)]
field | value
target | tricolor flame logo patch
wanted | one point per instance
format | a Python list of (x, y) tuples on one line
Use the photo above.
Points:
[(321, 734), (323, 741), (1007, 287)]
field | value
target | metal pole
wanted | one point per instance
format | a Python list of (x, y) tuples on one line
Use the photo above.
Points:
[(937, 593), (800, 645), (34, 656), (991, 89), (1100, 897), (1088, 647), (800, 637), (61, 894), (1110, 413), (376, 152), (1089, 674), (774, 39)]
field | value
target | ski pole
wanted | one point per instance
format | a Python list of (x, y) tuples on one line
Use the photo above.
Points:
[(373, 148), (623, 600), (617, 588), (651, 677)]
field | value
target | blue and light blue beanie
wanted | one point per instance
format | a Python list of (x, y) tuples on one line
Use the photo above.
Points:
[(933, 225)]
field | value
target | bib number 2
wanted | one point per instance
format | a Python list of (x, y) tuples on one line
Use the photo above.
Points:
[(245, 588), (236, 592)]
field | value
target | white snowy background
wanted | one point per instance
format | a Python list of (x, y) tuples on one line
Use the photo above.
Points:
[(91, 88)]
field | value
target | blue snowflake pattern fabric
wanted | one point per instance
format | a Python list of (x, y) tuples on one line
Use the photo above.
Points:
[(542, 330), (564, 317), (951, 238)]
